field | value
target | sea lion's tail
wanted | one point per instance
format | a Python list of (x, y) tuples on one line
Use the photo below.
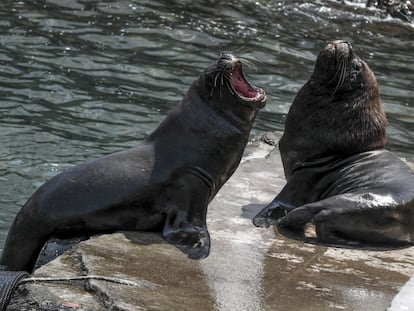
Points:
[(8, 281)]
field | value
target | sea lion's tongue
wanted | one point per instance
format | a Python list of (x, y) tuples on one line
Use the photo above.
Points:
[(240, 85)]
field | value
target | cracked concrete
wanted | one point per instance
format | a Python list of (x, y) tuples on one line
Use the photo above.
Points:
[(248, 268)]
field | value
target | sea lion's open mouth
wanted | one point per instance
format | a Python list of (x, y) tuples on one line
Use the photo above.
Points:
[(228, 75), (242, 87)]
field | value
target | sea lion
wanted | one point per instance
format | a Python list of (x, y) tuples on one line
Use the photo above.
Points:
[(163, 184), (339, 176)]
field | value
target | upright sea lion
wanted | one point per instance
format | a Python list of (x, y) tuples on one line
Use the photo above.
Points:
[(165, 183), (339, 176)]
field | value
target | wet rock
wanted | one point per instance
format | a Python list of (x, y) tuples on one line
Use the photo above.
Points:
[(248, 268), (403, 10), (399, 9)]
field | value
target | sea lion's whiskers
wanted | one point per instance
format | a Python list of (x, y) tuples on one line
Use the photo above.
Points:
[(335, 75), (221, 84), (343, 72), (226, 77), (215, 83), (228, 85), (219, 75), (251, 62), (215, 79), (342, 75), (209, 71), (339, 58)]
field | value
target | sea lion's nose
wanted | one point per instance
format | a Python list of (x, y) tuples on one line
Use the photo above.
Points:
[(340, 42), (227, 56)]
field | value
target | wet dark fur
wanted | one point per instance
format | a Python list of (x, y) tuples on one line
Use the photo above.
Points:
[(338, 111), (339, 176), (164, 184)]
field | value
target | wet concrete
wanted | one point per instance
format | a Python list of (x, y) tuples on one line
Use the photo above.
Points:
[(248, 268), (404, 300)]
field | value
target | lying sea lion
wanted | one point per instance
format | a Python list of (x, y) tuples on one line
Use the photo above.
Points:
[(339, 176), (164, 184)]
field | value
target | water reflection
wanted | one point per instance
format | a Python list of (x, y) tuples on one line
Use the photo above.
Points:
[(79, 79)]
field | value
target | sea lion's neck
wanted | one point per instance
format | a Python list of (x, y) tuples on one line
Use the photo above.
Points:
[(224, 108), (324, 126), (195, 115), (204, 132)]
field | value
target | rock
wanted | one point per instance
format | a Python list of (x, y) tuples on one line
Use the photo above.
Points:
[(248, 268), (403, 10)]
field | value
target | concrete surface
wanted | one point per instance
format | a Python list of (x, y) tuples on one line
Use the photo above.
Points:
[(404, 300), (248, 268)]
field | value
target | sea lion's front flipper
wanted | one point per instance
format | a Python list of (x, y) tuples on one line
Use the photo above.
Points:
[(192, 239), (186, 211), (269, 215)]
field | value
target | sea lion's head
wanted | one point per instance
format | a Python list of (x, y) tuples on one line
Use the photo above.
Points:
[(339, 71), (224, 86), (351, 90)]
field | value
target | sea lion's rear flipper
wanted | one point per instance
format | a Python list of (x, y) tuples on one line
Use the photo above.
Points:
[(352, 219), (8, 281), (186, 211)]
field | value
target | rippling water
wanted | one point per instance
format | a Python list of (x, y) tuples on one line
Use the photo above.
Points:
[(82, 78)]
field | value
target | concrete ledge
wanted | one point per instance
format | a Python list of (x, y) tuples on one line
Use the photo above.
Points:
[(248, 268), (404, 301)]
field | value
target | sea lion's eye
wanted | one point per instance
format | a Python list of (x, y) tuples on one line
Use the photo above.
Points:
[(356, 65), (356, 70)]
